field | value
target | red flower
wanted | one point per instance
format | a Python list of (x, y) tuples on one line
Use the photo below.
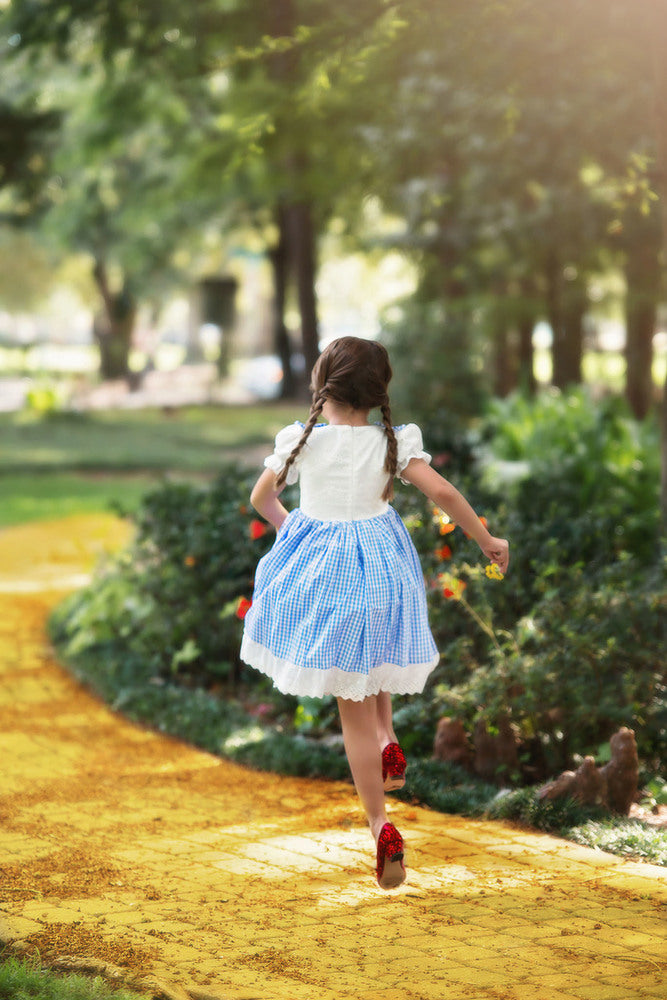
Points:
[(257, 529), (243, 607), (444, 552)]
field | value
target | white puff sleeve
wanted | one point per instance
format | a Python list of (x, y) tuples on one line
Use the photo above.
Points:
[(286, 441), (410, 445)]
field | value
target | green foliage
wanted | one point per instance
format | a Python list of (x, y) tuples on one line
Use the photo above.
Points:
[(655, 793), (25, 979), (446, 787), (570, 646), (437, 369), (589, 492), (627, 837), (525, 806), (172, 598)]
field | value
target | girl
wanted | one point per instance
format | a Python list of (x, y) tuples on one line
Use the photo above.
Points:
[(339, 605)]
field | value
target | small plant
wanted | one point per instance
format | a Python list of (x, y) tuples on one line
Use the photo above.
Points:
[(25, 979)]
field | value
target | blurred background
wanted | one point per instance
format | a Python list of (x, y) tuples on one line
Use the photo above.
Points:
[(195, 198)]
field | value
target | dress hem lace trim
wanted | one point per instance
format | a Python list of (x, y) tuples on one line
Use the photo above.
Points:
[(313, 683)]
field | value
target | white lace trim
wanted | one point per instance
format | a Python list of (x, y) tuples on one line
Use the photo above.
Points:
[(312, 683)]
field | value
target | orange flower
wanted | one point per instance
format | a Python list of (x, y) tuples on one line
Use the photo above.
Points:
[(243, 509), (445, 525), (257, 529), (444, 552), (243, 607), (190, 561)]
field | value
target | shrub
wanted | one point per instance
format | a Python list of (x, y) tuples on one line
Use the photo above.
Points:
[(172, 598)]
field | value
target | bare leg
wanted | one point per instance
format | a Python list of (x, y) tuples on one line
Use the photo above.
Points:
[(385, 725), (359, 720)]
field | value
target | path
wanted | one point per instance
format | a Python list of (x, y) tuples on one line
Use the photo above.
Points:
[(121, 845)]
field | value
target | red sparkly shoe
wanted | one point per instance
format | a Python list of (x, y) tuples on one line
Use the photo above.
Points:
[(393, 767), (390, 869)]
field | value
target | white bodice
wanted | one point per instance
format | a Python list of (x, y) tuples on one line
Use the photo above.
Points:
[(341, 467)]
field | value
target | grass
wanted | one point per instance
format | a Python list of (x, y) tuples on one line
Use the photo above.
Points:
[(63, 463), (25, 979), (42, 496), (189, 439)]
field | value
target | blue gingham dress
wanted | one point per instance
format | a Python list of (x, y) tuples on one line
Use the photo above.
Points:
[(339, 605)]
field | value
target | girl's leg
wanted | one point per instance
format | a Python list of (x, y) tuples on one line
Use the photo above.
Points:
[(359, 720), (393, 763), (385, 727)]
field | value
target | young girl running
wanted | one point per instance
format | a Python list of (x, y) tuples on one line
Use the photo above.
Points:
[(339, 606)]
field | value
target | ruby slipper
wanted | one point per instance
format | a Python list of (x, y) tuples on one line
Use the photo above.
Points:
[(393, 767), (390, 868)]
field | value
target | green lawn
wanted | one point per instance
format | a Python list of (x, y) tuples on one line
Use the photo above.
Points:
[(194, 438), (64, 463)]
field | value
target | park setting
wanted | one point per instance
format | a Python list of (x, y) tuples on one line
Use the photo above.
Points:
[(199, 204)]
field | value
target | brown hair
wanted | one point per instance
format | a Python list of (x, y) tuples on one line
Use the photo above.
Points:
[(354, 372)]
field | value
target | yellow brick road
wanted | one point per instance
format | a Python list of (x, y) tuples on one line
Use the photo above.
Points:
[(119, 845)]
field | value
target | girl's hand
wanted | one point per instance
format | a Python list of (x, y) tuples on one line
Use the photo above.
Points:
[(498, 551)]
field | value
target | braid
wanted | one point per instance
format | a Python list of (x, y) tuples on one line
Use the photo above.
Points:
[(391, 460), (315, 410)]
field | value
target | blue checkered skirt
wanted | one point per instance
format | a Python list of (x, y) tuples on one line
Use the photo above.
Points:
[(339, 607)]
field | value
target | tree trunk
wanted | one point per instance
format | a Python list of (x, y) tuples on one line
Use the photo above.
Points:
[(279, 263), (527, 315), (301, 239), (566, 304), (113, 328), (502, 367), (526, 355), (642, 272), (505, 343), (296, 215)]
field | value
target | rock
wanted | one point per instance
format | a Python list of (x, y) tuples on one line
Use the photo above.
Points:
[(585, 785), (621, 774), (496, 754), (451, 743), (613, 786)]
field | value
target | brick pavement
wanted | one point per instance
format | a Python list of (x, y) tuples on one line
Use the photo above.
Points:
[(120, 845)]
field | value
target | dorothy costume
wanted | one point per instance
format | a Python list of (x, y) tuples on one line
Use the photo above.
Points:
[(339, 605)]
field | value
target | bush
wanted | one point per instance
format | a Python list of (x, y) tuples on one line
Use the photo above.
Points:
[(571, 645), (172, 598), (589, 492)]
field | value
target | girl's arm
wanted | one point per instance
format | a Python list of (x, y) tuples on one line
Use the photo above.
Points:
[(264, 498), (441, 492)]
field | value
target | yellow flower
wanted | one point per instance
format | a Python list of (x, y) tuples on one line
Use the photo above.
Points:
[(493, 572)]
